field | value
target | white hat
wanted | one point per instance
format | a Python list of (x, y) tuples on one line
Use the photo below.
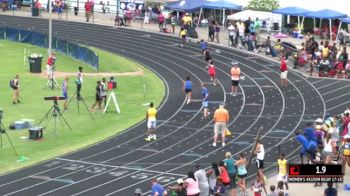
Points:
[(318, 127), (180, 181), (346, 136), (319, 120)]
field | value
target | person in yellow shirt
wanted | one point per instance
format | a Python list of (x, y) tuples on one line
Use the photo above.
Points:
[(187, 21), (282, 177), (221, 118), (151, 122), (183, 33)]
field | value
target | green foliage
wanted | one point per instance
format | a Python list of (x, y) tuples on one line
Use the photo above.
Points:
[(263, 5)]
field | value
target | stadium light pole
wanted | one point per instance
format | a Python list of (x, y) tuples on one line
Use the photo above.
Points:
[(50, 28)]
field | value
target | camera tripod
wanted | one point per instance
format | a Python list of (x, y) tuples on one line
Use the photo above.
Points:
[(3, 131), (55, 113), (52, 82), (79, 98)]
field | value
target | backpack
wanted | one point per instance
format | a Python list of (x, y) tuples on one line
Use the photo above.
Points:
[(12, 83)]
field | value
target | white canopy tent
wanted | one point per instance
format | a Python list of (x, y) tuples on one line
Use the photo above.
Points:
[(263, 16)]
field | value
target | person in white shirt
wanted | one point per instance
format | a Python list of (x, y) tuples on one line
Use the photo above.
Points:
[(260, 155), (231, 34)]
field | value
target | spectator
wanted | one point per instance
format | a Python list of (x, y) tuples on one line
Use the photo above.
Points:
[(224, 174), (157, 189), (220, 189), (231, 34), (191, 185), (179, 188), (330, 191), (213, 174), (173, 23), (346, 151), (187, 21), (146, 18), (221, 118), (138, 192), (259, 185), (161, 21), (343, 57), (308, 147), (230, 165), (203, 184), (217, 32), (98, 98), (272, 191), (309, 132), (88, 10), (327, 151), (15, 87), (211, 30), (260, 155), (242, 171), (282, 171), (281, 190)]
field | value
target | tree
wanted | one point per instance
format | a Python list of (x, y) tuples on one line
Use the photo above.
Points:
[(263, 5)]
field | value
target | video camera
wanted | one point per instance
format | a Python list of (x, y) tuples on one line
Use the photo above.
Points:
[(112, 84), (54, 98)]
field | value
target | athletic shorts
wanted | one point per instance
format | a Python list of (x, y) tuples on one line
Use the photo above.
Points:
[(284, 74), (283, 178), (235, 82), (219, 127), (188, 90), (205, 104), (183, 36), (151, 124), (49, 70), (259, 164), (242, 176), (65, 95)]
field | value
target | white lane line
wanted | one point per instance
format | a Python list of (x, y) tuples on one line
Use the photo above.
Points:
[(329, 84), (337, 97), (337, 89)]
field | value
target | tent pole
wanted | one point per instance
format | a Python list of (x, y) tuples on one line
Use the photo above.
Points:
[(200, 14), (314, 23), (336, 39), (330, 31), (298, 22), (223, 17), (302, 24)]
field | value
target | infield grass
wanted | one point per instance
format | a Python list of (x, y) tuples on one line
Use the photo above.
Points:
[(85, 131)]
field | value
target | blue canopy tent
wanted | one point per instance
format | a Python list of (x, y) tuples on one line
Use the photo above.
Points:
[(326, 14), (292, 11), (191, 6)]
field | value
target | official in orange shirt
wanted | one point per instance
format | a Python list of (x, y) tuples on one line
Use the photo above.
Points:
[(221, 118)]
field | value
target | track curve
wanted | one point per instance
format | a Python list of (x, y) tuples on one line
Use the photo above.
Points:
[(184, 138)]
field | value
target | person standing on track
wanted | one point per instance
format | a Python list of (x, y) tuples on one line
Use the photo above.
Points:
[(183, 33), (235, 74), (282, 176), (221, 118), (284, 72), (187, 87), (205, 95), (151, 122), (260, 155), (241, 171)]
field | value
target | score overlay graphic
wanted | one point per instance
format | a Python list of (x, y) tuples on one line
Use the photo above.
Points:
[(314, 173)]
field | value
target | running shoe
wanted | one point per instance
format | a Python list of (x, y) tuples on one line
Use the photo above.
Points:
[(214, 144), (148, 139), (223, 144), (154, 137)]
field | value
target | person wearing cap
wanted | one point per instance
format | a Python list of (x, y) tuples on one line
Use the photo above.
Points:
[(157, 189), (235, 74), (205, 95), (284, 72), (187, 21), (201, 177), (138, 192), (151, 122), (179, 188), (308, 147), (221, 118)]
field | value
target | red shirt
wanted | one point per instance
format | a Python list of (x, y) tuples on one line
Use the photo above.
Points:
[(88, 6), (50, 61), (211, 70), (283, 66), (224, 175)]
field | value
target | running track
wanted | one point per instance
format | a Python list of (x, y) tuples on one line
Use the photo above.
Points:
[(120, 164)]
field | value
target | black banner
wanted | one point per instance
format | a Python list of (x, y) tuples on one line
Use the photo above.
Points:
[(315, 170)]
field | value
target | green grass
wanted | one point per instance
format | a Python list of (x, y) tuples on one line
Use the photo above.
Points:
[(85, 131)]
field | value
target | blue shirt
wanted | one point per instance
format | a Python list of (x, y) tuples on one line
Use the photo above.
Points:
[(157, 188), (309, 133), (230, 165), (302, 139), (64, 87), (188, 84), (205, 93), (204, 45)]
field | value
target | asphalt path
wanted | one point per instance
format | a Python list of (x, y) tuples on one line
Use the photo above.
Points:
[(119, 165)]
